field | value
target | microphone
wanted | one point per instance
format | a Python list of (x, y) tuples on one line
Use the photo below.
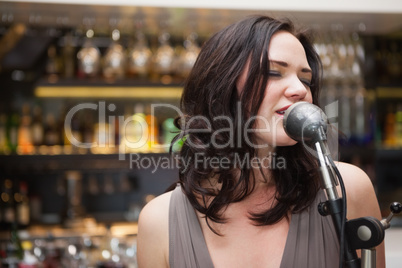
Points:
[(307, 123), (304, 121)]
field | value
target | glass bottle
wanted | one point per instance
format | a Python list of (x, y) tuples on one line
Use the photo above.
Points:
[(22, 205), (163, 59), (8, 206), (390, 128), (3, 134), (114, 59), (51, 131), (25, 140), (139, 57), (13, 121), (89, 57), (153, 128), (37, 126), (52, 64), (134, 131), (68, 53), (189, 55)]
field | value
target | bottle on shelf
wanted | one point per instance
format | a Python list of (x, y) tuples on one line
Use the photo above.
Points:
[(25, 139), (53, 64), (89, 57), (188, 56), (3, 134), (163, 60), (153, 129), (390, 128), (37, 126), (398, 125), (8, 205), (68, 55), (87, 128), (13, 121), (51, 131), (114, 60), (22, 205), (134, 131), (139, 54)]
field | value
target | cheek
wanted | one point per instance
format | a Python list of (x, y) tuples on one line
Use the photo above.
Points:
[(309, 97)]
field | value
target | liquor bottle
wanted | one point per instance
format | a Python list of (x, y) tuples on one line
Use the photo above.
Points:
[(2, 205), (153, 129), (87, 128), (188, 56), (25, 140), (398, 127), (12, 132), (52, 64), (3, 134), (163, 59), (22, 205), (114, 58), (76, 133), (68, 53), (390, 128), (51, 132), (89, 57), (8, 206), (103, 138), (134, 131), (139, 57), (37, 126)]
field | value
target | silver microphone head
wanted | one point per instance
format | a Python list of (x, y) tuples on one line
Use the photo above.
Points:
[(306, 122)]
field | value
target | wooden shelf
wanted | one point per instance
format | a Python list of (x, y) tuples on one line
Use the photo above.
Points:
[(99, 88)]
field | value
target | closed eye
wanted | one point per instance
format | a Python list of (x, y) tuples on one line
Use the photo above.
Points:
[(306, 82), (274, 74)]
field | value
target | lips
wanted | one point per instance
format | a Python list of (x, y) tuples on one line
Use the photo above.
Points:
[(282, 110)]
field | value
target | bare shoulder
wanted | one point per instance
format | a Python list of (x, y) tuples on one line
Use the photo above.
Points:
[(156, 209), (353, 176), (360, 193), (153, 233)]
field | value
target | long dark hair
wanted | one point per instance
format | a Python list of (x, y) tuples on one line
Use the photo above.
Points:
[(210, 99)]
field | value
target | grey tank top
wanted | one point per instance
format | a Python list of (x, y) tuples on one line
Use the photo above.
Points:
[(311, 243)]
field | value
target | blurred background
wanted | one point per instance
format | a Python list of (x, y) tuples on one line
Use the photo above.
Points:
[(78, 80)]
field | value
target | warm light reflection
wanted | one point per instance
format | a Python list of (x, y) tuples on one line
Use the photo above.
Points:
[(109, 92)]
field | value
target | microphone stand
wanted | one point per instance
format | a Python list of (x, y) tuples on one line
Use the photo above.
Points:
[(334, 205), (363, 233), (305, 122)]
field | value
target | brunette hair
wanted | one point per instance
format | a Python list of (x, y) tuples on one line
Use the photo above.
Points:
[(210, 92)]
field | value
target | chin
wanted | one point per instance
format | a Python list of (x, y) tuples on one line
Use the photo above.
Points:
[(286, 142), (282, 139)]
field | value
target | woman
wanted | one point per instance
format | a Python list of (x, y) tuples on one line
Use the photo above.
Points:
[(248, 194)]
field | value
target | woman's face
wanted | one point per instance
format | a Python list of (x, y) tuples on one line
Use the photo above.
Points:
[(289, 82)]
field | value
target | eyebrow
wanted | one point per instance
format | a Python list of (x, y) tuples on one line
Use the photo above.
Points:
[(285, 64)]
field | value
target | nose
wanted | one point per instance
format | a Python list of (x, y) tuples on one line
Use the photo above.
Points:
[(296, 90)]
